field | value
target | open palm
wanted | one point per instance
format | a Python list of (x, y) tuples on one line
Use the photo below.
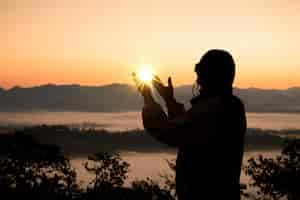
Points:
[(166, 92)]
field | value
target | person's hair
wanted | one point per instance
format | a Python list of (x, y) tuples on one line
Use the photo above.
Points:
[(216, 71)]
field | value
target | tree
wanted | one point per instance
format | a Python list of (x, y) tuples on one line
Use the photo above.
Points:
[(277, 177), (109, 170), (149, 189), (34, 170), (169, 178)]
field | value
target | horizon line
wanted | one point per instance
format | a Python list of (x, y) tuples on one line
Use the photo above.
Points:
[(128, 84)]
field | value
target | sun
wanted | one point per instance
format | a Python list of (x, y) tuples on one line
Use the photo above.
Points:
[(145, 73)]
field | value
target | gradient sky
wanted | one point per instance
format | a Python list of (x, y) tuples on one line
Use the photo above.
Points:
[(93, 42)]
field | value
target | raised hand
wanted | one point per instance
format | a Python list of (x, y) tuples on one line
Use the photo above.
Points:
[(166, 92), (144, 89)]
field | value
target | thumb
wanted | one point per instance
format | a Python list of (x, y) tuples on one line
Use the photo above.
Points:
[(170, 84)]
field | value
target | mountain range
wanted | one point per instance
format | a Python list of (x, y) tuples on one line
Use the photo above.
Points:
[(123, 97)]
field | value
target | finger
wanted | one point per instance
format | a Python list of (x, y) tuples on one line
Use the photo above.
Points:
[(134, 76), (170, 84), (136, 80), (157, 82), (156, 78), (139, 84), (157, 85), (139, 88)]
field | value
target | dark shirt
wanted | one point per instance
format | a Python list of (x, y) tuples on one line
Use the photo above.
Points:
[(210, 141)]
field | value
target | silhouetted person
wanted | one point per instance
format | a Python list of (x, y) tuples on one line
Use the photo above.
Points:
[(209, 136)]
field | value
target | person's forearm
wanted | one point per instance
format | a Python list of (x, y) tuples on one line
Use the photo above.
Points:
[(153, 116), (156, 124)]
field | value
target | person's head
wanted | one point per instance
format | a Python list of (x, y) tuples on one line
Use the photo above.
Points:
[(215, 71)]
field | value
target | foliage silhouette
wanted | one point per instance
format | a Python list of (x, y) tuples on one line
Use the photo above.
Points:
[(169, 178), (149, 189), (277, 177), (36, 171), (109, 170)]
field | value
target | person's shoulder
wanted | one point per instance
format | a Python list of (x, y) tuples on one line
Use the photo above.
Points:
[(217, 104), (237, 102)]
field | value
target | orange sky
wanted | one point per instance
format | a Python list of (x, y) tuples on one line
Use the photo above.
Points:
[(95, 42)]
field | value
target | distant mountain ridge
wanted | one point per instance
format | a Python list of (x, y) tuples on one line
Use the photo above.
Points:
[(123, 97)]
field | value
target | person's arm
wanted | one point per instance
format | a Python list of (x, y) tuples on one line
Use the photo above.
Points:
[(196, 126), (154, 118), (162, 128), (192, 127)]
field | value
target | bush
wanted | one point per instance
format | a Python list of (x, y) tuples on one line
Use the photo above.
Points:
[(35, 170), (109, 170), (149, 190), (277, 177)]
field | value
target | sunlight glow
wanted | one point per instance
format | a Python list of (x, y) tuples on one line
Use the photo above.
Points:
[(145, 73)]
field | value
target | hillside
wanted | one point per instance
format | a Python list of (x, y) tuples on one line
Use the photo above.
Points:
[(122, 97)]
